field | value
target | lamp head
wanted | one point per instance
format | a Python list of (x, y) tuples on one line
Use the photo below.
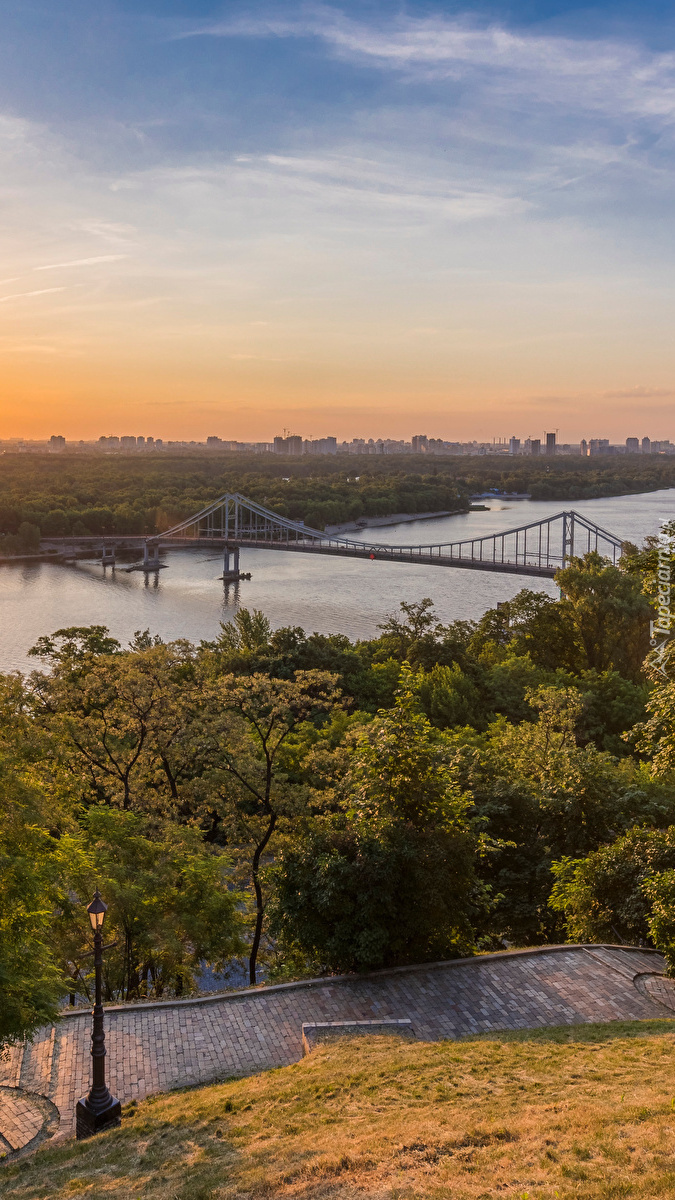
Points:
[(97, 910)]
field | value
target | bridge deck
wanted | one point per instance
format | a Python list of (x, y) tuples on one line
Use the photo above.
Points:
[(376, 552)]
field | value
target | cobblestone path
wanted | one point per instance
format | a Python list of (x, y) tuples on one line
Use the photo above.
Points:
[(155, 1047)]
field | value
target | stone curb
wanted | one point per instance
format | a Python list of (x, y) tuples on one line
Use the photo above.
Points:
[(314, 1032), (336, 980)]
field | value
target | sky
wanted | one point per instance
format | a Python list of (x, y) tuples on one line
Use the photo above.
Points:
[(365, 219)]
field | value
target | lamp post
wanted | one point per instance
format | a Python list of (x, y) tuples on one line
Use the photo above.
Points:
[(98, 1109)]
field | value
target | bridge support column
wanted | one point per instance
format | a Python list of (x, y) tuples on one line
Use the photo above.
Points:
[(231, 569), (108, 555), (150, 561)]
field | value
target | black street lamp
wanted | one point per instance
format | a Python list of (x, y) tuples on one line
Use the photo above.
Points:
[(98, 1110)]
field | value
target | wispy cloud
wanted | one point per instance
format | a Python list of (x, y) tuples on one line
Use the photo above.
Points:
[(641, 393), (82, 262), (39, 292), (593, 73)]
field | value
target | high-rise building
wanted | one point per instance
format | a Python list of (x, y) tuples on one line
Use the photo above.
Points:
[(128, 443), (550, 443), (599, 446), (288, 445), (57, 442), (320, 446), (214, 441), (514, 445), (532, 446), (632, 445), (646, 446), (583, 447), (419, 443)]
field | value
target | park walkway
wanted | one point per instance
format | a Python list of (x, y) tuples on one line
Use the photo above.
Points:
[(153, 1047)]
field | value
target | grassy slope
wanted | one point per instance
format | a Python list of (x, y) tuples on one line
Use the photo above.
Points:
[(580, 1113)]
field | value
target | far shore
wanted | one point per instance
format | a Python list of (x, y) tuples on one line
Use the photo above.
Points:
[(392, 519)]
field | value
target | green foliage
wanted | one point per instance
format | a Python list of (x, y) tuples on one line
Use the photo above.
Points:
[(31, 985), (605, 897), (90, 493), (251, 794), (609, 613), (391, 879), (170, 901), (656, 736), (660, 890), (106, 495), (356, 896), (543, 796)]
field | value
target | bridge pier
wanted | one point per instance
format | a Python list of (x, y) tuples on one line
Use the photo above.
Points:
[(231, 565), (150, 561), (108, 555)]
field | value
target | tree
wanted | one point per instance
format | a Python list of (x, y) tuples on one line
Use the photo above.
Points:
[(610, 614), (391, 879), (250, 722), (660, 890), (31, 860), (413, 637), (118, 719), (656, 736), (544, 797), (171, 906), (604, 897)]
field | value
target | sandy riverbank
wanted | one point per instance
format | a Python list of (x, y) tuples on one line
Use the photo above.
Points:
[(392, 519)]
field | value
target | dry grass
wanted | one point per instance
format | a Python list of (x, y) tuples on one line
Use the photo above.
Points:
[(587, 1112)]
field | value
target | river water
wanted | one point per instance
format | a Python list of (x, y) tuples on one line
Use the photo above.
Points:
[(329, 595)]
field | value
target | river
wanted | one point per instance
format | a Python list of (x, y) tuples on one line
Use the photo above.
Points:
[(329, 595)]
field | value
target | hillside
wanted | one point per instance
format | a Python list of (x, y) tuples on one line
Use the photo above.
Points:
[(584, 1112)]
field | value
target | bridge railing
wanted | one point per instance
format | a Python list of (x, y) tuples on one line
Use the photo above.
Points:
[(545, 544)]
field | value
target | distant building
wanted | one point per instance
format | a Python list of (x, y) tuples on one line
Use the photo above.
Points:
[(550, 443), (632, 445), (583, 447), (128, 443), (288, 445), (514, 445), (419, 443), (646, 446), (57, 443), (214, 441), (532, 446), (599, 446), (320, 446)]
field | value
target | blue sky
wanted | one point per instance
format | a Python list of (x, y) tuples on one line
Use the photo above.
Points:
[(349, 219)]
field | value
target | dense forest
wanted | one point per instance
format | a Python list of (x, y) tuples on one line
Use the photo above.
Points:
[(60, 495), (314, 805)]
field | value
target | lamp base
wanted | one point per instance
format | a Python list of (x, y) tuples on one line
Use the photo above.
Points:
[(89, 1121)]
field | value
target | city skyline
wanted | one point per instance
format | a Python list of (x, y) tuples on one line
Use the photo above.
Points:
[(295, 445), (343, 216)]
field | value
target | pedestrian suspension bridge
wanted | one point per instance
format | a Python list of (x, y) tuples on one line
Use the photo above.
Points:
[(539, 548)]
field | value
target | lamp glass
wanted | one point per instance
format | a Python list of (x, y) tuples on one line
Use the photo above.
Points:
[(97, 910)]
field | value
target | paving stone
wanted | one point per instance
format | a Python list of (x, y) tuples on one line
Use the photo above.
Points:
[(152, 1048), (20, 1119)]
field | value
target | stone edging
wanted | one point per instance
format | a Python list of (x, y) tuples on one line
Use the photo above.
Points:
[(51, 1119), (336, 980)]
